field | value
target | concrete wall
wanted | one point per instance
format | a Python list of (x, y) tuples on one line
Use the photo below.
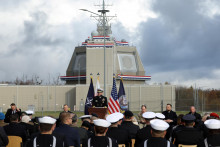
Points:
[(51, 98)]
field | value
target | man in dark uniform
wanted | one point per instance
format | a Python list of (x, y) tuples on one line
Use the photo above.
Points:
[(13, 110), (213, 136), (189, 135), (100, 139), (116, 133), (128, 125), (46, 138), (158, 132), (100, 100), (170, 115), (144, 133)]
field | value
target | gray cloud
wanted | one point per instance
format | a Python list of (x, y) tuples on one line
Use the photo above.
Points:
[(180, 39)]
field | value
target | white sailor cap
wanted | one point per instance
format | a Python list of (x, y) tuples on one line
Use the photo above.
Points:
[(29, 112), (85, 116), (113, 118), (120, 115), (160, 116), (149, 115), (159, 125), (47, 120), (102, 123), (212, 124)]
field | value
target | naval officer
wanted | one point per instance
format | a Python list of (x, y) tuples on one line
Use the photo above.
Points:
[(158, 132), (100, 100), (213, 137)]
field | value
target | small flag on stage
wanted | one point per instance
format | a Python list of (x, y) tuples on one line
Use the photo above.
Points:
[(89, 98), (113, 104), (122, 97), (97, 85)]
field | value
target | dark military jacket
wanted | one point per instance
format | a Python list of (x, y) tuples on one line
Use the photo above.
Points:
[(156, 142), (142, 134), (189, 136), (100, 101), (130, 127), (100, 141), (213, 140), (120, 135)]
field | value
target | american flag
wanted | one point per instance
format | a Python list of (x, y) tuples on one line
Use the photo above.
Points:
[(113, 105)]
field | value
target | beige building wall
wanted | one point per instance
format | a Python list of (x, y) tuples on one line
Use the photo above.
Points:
[(52, 98)]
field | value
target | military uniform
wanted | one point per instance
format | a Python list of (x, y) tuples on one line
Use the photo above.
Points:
[(100, 141), (100, 101), (120, 135), (156, 142), (142, 134)]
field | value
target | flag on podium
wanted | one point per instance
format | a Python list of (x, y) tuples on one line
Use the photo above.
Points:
[(89, 98), (122, 97), (113, 104)]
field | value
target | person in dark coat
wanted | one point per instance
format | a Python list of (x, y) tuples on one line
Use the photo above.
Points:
[(100, 100), (120, 135), (189, 135), (3, 137), (100, 139), (29, 127), (13, 110), (15, 129), (46, 137), (178, 127), (158, 132), (197, 116), (71, 134), (128, 125), (213, 136), (145, 133), (170, 115)]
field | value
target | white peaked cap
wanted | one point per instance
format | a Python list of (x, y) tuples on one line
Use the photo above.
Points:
[(25, 119), (102, 123), (159, 125), (112, 118), (149, 115), (85, 116), (120, 115), (160, 115), (212, 124), (29, 112), (47, 120)]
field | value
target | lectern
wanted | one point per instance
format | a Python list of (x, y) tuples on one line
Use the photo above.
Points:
[(100, 111)]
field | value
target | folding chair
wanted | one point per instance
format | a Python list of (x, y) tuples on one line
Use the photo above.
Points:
[(121, 145), (14, 141), (132, 142), (182, 145)]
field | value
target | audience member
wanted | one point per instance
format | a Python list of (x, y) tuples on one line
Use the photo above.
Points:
[(140, 117), (213, 136), (71, 134), (189, 135), (158, 133), (86, 118), (197, 116), (120, 135), (100, 139), (128, 125), (46, 138), (3, 138), (13, 110), (2, 117), (144, 133), (15, 129), (170, 115), (28, 127)]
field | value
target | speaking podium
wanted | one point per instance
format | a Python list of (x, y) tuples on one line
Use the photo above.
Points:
[(100, 111)]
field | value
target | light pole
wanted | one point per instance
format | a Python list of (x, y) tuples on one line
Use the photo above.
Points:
[(103, 16)]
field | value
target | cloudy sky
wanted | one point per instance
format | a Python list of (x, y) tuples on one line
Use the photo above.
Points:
[(178, 40)]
